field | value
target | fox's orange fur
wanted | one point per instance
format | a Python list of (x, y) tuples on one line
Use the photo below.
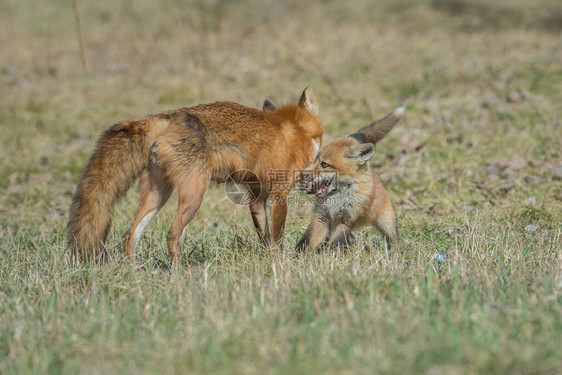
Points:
[(183, 150), (349, 195), (372, 133)]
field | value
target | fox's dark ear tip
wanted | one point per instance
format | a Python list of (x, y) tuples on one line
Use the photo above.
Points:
[(359, 137), (268, 106)]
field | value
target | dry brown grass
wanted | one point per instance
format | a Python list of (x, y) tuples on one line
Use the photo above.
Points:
[(472, 170)]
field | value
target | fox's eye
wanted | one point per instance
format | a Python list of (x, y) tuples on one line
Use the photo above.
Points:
[(324, 164)]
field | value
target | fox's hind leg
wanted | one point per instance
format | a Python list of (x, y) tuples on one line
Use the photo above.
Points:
[(191, 190), (154, 193), (387, 225)]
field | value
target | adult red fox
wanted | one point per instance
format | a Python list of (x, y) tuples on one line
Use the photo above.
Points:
[(349, 193), (183, 150)]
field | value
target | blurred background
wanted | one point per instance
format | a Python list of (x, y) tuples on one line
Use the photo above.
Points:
[(474, 171), (481, 81)]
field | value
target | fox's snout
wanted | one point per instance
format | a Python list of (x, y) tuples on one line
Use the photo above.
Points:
[(313, 182), (307, 175), (306, 183)]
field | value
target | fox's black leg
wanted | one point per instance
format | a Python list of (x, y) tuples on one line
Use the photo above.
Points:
[(341, 237), (314, 236), (258, 209)]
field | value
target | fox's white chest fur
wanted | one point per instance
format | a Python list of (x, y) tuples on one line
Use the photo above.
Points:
[(342, 206)]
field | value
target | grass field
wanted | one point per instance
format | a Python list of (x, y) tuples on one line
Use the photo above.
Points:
[(474, 171)]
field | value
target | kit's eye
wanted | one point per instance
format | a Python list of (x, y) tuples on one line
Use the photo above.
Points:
[(324, 164)]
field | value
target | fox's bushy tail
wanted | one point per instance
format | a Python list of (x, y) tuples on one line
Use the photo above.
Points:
[(120, 155), (378, 129)]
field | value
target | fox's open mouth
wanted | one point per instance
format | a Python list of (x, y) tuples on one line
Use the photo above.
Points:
[(318, 188)]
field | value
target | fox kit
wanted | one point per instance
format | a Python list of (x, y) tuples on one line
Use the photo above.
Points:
[(183, 150), (349, 193)]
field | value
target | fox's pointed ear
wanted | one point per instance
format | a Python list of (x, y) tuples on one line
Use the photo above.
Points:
[(268, 106), (308, 100), (359, 137), (361, 152)]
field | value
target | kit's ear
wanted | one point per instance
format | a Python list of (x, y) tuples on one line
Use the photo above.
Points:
[(359, 137), (361, 152), (268, 106)]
